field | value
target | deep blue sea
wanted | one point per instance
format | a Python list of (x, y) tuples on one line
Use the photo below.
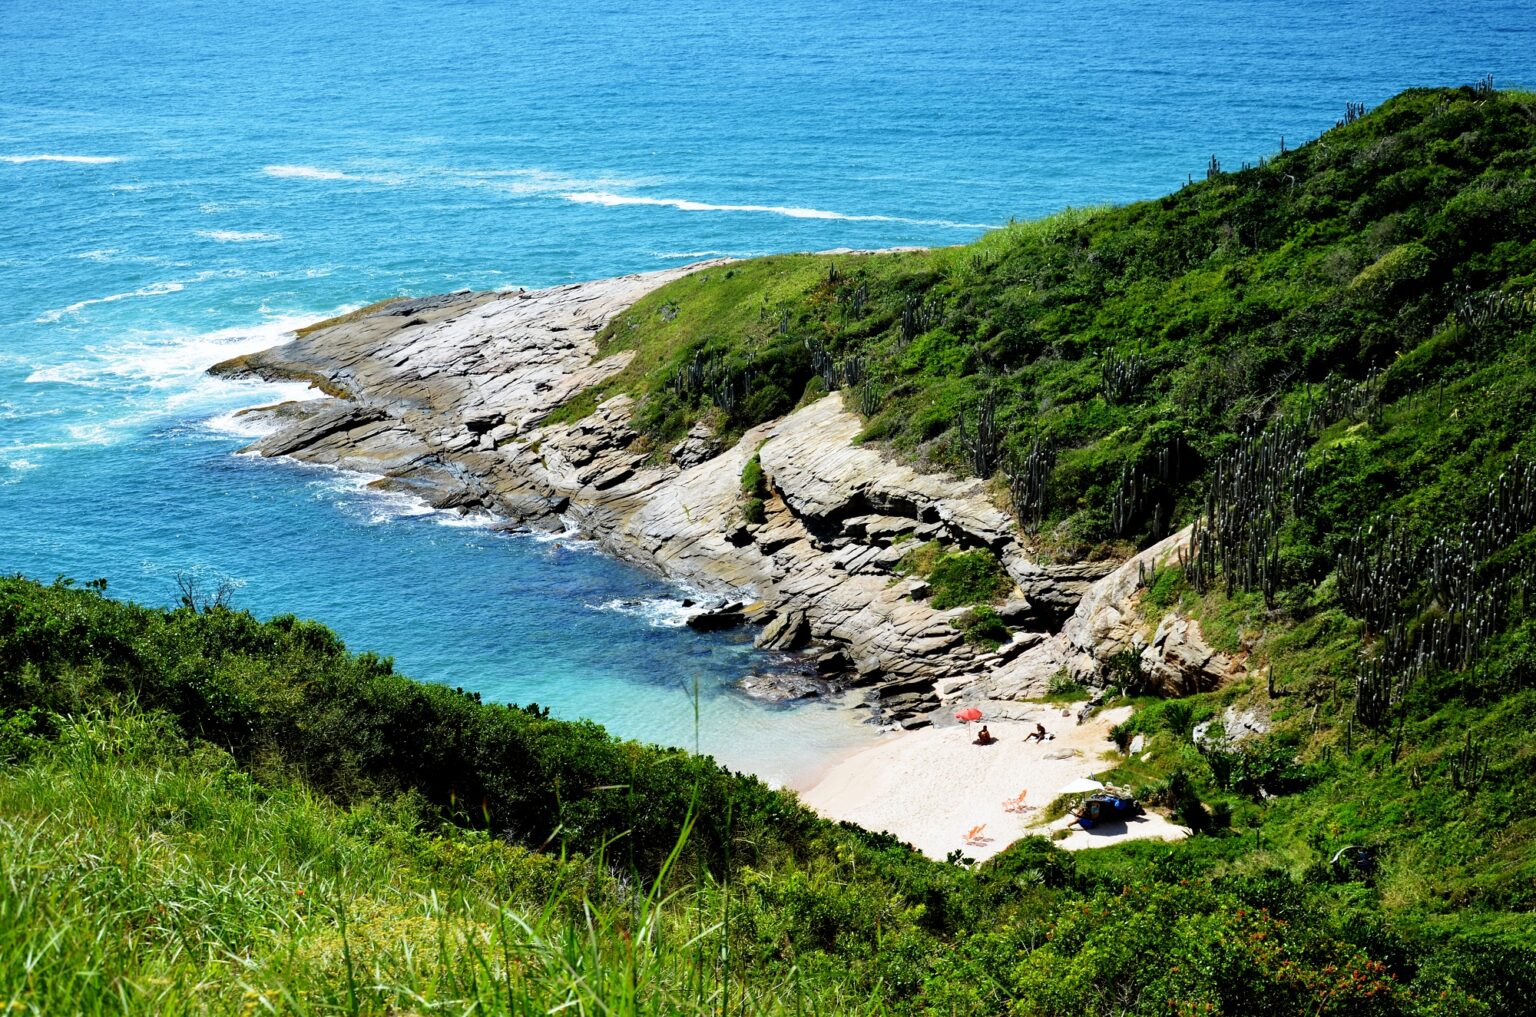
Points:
[(183, 181)]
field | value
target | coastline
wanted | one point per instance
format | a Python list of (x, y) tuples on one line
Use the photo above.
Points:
[(449, 399)]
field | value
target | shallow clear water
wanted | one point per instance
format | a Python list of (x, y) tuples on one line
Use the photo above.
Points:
[(180, 182)]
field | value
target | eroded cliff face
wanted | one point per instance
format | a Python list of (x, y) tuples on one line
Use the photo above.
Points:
[(446, 398)]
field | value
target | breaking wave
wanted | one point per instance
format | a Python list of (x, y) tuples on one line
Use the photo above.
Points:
[(609, 199)]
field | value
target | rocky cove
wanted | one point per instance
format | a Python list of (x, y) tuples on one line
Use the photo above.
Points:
[(448, 398)]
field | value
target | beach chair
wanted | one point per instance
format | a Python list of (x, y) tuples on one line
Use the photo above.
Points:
[(1017, 804), (974, 837)]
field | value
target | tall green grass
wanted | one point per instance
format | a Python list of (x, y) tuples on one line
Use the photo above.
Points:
[(144, 874)]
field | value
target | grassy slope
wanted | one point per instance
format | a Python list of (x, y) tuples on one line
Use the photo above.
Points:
[(154, 862), (148, 874)]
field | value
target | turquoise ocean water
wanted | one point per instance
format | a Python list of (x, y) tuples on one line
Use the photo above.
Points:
[(180, 182)]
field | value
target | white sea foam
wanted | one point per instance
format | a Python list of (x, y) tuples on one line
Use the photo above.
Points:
[(354, 495), (116, 256), (657, 612), (152, 290), (287, 172), (609, 199), (306, 173), (534, 181), (84, 160), (677, 255), (238, 236), (154, 375), (240, 424)]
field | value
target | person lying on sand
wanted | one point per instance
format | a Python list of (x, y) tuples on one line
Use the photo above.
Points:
[(984, 737), (1038, 732)]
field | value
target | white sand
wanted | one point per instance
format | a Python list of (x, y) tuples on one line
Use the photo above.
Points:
[(930, 787)]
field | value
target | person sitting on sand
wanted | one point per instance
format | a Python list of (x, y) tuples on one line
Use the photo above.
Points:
[(1038, 732), (984, 737)]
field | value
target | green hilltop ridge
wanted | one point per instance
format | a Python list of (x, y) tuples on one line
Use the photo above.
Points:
[(1326, 363)]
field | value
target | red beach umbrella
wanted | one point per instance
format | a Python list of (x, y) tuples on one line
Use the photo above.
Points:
[(968, 714)]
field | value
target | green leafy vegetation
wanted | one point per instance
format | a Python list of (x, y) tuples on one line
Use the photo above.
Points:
[(983, 626), (227, 857), (754, 491), (957, 578)]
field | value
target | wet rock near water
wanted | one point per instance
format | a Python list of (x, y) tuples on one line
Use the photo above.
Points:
[(785, 687), (717, 619)]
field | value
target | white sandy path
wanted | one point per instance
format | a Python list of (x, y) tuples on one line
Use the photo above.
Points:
[(929, 787)]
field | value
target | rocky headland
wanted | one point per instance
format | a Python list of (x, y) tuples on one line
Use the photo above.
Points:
[(448, 398)]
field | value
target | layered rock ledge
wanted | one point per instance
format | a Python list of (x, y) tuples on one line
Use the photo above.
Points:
[(447, 398)]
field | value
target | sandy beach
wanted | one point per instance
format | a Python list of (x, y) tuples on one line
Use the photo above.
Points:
[(932, 786)]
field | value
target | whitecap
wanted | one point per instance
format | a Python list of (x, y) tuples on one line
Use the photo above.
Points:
[(657, 612), (156, 289), (305, 173), (116, 256), (84, 160), (152, 290), (156, 375), (533, 180), (609, 199), (288, 172), (354, 495), (238, 236), (679, 255)]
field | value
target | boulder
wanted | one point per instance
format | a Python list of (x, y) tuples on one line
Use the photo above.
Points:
[(334, 419), (699, 446), (717, 619), (833, 661), (784, 687), (1017, 612), (1179, 662), (789, 631)]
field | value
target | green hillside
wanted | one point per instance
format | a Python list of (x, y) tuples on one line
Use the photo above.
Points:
[(1325, 362)]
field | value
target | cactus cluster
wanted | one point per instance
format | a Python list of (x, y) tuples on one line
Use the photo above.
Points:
[(1476, 313), (1352, 111), (871, 397), (980, 439), (1435, 603), (1122, 376), (1029, 472), (1340, 399), (711, 376), (847, 372), (919, 316), (854, 301), (1257, 485), (1254, 488), (1143, 486), (1470, 766)]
